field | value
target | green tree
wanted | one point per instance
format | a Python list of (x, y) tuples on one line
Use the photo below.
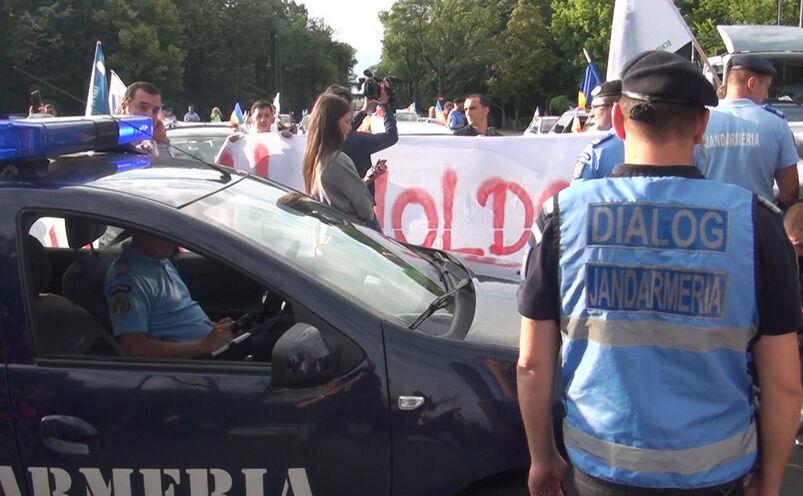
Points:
[(520, 70)]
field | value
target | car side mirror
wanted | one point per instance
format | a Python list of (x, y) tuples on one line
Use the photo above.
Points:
[(301, 358)]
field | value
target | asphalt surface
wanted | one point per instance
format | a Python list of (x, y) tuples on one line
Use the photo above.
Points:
[(793, 479)]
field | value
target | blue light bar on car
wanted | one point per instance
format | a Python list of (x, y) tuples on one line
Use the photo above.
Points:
[(25, 139)]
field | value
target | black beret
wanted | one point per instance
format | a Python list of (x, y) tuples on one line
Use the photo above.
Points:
[(608, 88), (753, 64), (663, 77)]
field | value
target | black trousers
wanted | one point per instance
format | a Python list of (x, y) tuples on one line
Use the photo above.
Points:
[(580, 484)]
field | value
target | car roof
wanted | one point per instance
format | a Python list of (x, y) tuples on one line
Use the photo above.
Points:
[(756, 38), (167, 180)]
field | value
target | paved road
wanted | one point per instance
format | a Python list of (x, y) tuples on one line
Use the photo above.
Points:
[(793, 481)]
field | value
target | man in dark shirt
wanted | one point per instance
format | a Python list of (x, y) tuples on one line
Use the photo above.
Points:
[(359, 146), (477, 109)]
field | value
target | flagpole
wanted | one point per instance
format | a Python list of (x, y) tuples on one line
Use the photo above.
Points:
[(588, 57), (696, 45)]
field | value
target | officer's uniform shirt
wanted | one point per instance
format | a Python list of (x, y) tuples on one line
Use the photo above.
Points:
[(746, 144), (777, 291), (599, 157), (147, 295)]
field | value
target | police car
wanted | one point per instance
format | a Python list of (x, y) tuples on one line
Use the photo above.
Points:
[(394, 366)]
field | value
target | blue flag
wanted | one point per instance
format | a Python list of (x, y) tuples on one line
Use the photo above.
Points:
[(590, 81), (237, 118), (97, 101)]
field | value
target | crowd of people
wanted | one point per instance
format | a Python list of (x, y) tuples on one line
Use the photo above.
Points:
[(665, 281)]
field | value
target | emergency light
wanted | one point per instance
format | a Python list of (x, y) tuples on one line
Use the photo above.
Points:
[(25, 139)]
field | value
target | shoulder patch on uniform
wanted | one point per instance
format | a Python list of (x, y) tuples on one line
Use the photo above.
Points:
[(583, 160), (120, 305), (768, 205), (769, 108)]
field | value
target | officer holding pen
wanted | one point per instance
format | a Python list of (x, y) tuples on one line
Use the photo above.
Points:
[(600, 156), (659, 286)]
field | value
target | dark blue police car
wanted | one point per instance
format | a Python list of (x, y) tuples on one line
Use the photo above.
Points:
[(393, 369)]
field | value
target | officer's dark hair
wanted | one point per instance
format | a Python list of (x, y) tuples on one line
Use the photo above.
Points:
[(139, 85), (459, 100), (260, 104), (484, 100), (660, 120), (340, 91)]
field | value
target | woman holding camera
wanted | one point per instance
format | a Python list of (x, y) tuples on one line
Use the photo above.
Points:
[(329, 174)]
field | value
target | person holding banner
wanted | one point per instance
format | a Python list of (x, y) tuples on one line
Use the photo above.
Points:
[(600, 156), (661, 288), (329, 174)]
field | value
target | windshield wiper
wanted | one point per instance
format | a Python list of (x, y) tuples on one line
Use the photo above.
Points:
[(444, 269), (438, 303)]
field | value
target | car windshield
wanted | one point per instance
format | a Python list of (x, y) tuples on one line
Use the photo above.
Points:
[(379, 273)]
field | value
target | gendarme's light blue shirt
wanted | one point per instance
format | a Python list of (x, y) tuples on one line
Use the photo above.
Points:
[(746, 144), (599, 157), (147, 294)]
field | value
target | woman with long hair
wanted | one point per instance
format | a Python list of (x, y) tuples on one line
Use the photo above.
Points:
[(329, 174), (216, 115)]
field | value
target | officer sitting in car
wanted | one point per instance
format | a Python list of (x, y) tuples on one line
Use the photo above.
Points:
[(152, 312)]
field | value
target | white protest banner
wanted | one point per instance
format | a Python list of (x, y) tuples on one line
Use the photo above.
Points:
[(472, 195), (640, 25)]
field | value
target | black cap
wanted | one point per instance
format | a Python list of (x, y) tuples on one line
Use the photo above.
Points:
[(664, 77), (608, 88), (753, 64)]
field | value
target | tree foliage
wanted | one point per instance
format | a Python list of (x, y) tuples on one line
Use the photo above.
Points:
[(201, 52), (527, 52)]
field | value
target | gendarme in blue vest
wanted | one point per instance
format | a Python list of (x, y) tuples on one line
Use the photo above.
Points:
[(657, 310)]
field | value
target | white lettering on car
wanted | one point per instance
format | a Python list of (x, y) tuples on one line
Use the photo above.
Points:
[(54, 481)]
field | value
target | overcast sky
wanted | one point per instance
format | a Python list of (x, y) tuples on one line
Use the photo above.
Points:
[(354, 22)]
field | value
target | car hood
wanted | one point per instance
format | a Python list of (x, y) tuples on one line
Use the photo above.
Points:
[(496, 317)]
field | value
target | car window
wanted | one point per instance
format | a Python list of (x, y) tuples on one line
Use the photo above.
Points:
[(201, 147), (376, 271)]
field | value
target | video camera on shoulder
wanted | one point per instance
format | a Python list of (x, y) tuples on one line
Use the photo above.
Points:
[(370, 85)]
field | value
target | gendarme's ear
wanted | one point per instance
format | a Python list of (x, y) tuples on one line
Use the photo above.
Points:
[(700, 125), (618, 120)]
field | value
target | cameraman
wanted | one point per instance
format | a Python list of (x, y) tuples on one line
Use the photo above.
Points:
[(359, 146)]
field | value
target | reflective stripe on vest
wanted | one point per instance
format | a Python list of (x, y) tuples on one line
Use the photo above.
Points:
[(658, 310)]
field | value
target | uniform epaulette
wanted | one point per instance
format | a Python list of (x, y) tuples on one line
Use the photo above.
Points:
[(768, 205), (604, 138), (769, 108)]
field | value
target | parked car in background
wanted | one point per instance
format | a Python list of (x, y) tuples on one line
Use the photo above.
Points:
[(566, 121), (198, 140), (541, 124)]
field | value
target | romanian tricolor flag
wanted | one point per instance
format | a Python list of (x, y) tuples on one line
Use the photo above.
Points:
[(237, 118), (590, 81), (411, 108)]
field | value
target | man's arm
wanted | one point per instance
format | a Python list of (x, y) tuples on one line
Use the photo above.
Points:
[(788, 184), (137, 344), (538, 352), (778, 369)]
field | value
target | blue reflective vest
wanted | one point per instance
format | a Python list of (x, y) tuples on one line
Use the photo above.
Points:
[(657, 311)]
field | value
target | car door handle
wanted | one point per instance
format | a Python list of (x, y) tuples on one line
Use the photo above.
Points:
[(410, 402), (69, 435)]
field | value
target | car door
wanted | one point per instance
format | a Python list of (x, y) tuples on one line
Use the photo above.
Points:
[(116, 425)]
